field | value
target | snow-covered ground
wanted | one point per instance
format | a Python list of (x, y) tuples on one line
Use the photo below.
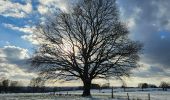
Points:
[(47, 96), (105, 94), (133, 93)]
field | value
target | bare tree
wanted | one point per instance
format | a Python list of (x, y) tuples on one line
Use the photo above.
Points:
[(6, 84), (15, 84), (143, 85), (87, 43), (164, 85), (37, 83), (124, 86)]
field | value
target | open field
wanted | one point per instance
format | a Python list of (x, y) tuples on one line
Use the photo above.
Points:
[(97, 95)]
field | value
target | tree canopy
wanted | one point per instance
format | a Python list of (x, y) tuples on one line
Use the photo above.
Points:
[(87, 43)]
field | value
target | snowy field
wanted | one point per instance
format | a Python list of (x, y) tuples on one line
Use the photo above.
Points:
[(96, 95)]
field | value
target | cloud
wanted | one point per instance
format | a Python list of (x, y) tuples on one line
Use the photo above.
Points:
[(14, 72), (14, 55), (29, 30), (25, 29), (11, 9), (149, 23), (45, 8), (13, 63), (31, 38), (149, 71), (50, 6)]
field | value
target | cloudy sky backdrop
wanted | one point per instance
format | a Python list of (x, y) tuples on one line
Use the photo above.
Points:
[(148, 22)]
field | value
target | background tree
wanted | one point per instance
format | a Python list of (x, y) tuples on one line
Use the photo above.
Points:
[(124, 86), (16, 83), (87, 43), (164, 85), (56, 89), (15, 86), (143, 85), (106, 85), (152, 86), (95, 86), (37, 84), (6, 84)]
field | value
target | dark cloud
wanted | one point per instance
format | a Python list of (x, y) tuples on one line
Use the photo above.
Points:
[(152, 71), (152, 27), (13, 63), (14, 55)]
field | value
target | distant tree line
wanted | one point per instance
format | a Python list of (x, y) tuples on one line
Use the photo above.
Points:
[(7, 85), (37, 85), (163, 85)]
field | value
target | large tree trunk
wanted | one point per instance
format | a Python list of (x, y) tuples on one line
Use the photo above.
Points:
[(86, 88)]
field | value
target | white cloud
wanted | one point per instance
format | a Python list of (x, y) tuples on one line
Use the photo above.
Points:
[(131, 23), (13, 65), (42, 9), (7, 70), (25, 29), (132, 18), (8, 8), (15, 53), (47, 6), (31, 38), (29, 30)]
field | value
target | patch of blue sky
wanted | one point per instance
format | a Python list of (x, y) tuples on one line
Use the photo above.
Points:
[(34, 3), (164, 34), (12, 37)]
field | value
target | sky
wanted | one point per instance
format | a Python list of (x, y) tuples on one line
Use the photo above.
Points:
[(148, 22)]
